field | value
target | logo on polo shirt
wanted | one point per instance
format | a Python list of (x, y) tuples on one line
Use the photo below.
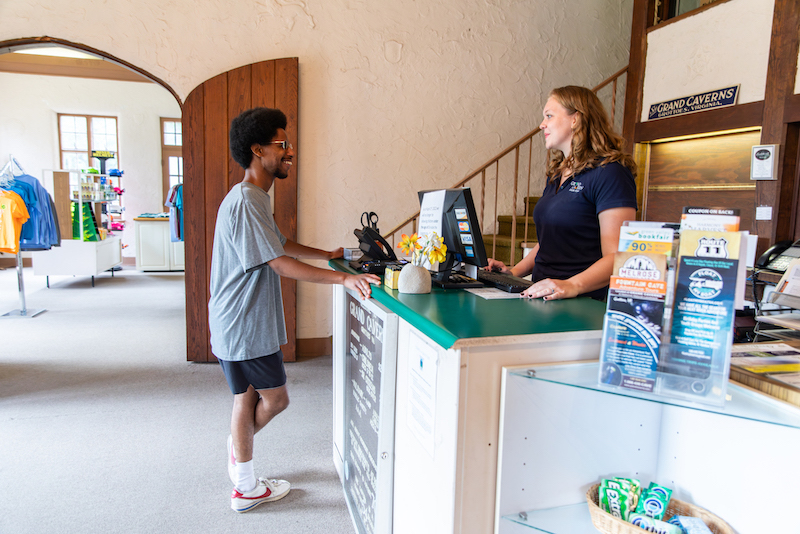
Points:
[(576, 187)]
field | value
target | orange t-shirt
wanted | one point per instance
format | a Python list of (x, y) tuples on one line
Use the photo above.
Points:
[(13, 215)]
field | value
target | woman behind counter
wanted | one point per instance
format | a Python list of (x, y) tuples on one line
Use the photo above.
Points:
[(590, 192)]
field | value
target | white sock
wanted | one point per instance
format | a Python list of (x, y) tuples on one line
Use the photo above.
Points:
[(245, 476)]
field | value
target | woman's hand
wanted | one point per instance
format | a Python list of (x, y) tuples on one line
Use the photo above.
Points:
[(549, 289), (498, 266)]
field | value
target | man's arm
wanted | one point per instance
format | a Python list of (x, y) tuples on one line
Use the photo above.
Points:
[(289, 267), (302, 252)]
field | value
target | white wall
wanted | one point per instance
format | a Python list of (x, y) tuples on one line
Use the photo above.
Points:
[(395, 97), (29, 130), (720, 47)]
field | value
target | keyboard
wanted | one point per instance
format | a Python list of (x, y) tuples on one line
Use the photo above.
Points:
[(506, 282)]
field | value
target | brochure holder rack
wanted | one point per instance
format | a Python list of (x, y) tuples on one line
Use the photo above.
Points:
[(682, 351)]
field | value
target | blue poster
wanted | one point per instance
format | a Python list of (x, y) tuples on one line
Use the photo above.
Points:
[(702, 316)]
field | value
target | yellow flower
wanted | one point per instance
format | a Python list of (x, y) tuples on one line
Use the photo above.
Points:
[(409, 244), (438, 253)]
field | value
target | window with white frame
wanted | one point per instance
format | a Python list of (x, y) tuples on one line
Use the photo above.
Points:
[(171, 153), (80, 135)]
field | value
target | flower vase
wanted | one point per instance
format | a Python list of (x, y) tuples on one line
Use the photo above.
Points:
[(414, 279)]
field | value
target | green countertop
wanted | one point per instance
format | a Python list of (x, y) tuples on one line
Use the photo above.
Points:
[(450, 315)]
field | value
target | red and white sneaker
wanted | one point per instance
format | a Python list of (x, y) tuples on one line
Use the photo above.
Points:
[(231, 460), (265, 491)]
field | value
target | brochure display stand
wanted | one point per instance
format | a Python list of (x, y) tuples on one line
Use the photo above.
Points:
[(673, 347)]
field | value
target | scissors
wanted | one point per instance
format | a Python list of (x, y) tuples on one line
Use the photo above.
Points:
[(369, 218)]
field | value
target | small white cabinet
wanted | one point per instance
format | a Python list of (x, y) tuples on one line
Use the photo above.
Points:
[(154, 249)]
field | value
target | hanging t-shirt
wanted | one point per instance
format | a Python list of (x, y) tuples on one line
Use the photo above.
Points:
[(13, 215)]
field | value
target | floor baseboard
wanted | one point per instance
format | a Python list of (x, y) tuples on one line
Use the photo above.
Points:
[(314, 347)]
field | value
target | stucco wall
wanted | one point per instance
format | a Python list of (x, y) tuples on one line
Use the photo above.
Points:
[(29, 130), (395, 97), (720, 47)]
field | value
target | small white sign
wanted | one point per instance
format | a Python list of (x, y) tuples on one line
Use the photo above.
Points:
[(763, 162), (423, 368), (431, 212), (764, 213)]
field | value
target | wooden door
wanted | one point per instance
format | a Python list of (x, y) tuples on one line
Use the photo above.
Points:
[(210, 172)]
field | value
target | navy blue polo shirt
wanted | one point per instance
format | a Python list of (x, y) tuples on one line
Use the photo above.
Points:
[(566, 220)]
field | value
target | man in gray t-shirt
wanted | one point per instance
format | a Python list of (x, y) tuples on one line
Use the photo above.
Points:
[(245, 311)]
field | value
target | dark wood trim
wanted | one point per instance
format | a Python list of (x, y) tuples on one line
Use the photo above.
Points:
[(782, 60), (197, 335), (28, 42), (643, 11), (686, 15), (715, 120), (791, 112), (314, 347), (286, 99)]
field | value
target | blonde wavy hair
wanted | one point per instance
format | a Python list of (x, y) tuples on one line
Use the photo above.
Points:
[(594, 142)]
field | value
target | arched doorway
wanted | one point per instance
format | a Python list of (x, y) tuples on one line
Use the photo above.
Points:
[(209, 172)]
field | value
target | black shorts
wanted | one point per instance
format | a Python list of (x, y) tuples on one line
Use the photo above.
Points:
[(266, 372)]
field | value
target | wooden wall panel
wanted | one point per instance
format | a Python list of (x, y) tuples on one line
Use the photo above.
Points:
[(197, 346), (263, 84), (709, 161), (779, 88), (239, 99), (667, 206), (643, 11), (708, 171), (715, 120), (286, 99), (210, 172)]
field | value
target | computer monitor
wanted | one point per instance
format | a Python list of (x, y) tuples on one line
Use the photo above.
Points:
[(461, 230)]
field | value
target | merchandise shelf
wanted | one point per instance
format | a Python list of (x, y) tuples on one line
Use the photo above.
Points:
[(561, 432), (743, 403), (573, 518)]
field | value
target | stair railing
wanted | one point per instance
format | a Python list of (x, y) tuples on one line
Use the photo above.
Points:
[(493, 166)]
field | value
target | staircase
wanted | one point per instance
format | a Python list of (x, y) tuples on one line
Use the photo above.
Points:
[(511, 229), (502, 250)]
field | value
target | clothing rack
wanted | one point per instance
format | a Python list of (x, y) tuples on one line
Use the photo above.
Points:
[(7, 177)]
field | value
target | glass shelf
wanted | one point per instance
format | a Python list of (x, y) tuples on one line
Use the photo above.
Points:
[(573, 518), (742, 403)]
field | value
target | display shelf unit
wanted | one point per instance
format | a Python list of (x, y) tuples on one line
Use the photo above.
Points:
[(77, 257), (155, 251), (561, 432), (783, 326)]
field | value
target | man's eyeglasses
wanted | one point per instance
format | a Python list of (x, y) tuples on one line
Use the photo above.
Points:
[(284, 144)]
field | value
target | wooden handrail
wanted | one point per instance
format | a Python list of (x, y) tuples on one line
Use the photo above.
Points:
[(481, 170)]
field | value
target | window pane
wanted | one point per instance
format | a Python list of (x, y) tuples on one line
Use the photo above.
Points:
[(172, 133), (175, 164), (74, 160), (73, 133), (104, 134)]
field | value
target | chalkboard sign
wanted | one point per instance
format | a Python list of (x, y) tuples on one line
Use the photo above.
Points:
[(369, 389)]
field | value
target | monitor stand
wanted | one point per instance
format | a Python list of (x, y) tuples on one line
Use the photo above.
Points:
[(446, 278)]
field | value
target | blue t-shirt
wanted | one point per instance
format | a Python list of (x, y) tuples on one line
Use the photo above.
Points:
[(566, 220)]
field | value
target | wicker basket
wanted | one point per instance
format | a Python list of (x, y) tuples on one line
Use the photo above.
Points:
[(607, 523)]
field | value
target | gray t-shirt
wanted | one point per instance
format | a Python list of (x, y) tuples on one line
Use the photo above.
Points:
[(245, 312)]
